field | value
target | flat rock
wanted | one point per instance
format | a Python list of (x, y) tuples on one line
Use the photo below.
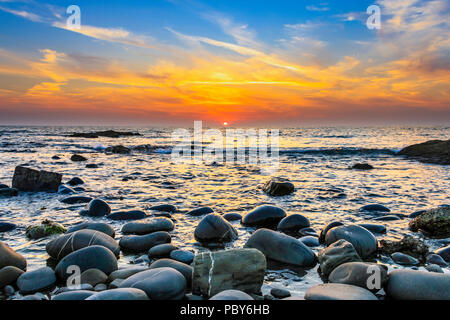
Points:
[(164, 208), (127, 215), (232, 217), (78, 158), (310, 241), (200, 211), (144, 243), (444, 253), (376, 228), (161, 251), (148, 226), (6, 226), (436, 259), (75, 181), (76, 199), (375, 208), (37, 280), (337, 291)]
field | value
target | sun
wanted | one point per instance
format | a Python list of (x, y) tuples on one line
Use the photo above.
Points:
[(225, 124)]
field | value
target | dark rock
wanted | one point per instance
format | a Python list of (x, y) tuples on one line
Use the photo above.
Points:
[(3, 186), (164, 207), (232, 217), (118, 150), (436, 259), (362, 239), (336, 254), (37, 280), (26, 179), (338, 291), (120, 294), (6, 226), (200, 211), (62, 189), (376, 228), (278, 187), (404, 259), (161, 251), (232, 295), (93, 277), (375, 208), (183, 268), (148, 226), (107, 133), (62, 246), (45, 229), (55, 157), (214, 229), (416, 214), (293, 223), (418, 285), (280, 293), (310, 241), (387, 218), (78, 158), (408, 245), (238, 269), (90, 257), (360, 274), (76, 199), (362, 166), (73, 287), (92, 166), (126, 272), (159, 284), (8, 257), (434, 268), (127, 215), (100, 287), (9, 192), (444, 253), (75, 181), (98, 208), (9, 275), (73, 295), (264, 216), (97, 226), (434, 151), (9, 291), (182, 256), (435, 222), (143, 243), (304, 232), (325, 229), (280, 247)]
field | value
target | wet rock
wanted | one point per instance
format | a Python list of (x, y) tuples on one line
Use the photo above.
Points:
[(183, 268), (362, 166), (310, 241), (107, 133), (9, 275), (144, 259), (62, 189), (78, 158), (278, 187), (280, 293), (434, 151), (9, 192), (148, 226), (308, 232), (214, 229), (37, 280), (444, 253), (408, 245), (436, 259), (8, 257), (9, 291), (118, 150), (232, 295), (418, 285), (97, 257), (26, 179), (76, 199), (375, 208), (404, 259), (75, 181), (325, 229), (92, 166), (362, 239), (232, 216), (338, 291), (200, 211), (387, 218), (360, 274), (435, 222), (336, 254), (161, 251), (280, 247), (120, 294), (182, 256), (144, 243), (293, 223), (159, 284), (6, 226), (125, 272), (376, 228), (434, 268), (238, 269), (100, 287), (45, 229), (32, 297), (127, 215), (66, 244), (98, 208), (73, 295), (116, 283), (164, 207), (96, 226), (416, 214), (3, 186), (264, 216), (93, 277)]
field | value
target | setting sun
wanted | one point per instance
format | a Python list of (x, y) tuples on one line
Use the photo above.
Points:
[(225, 123)]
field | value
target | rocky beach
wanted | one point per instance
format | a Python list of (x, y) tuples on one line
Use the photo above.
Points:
[(103, 214)]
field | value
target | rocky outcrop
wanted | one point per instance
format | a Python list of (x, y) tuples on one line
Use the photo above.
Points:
[(45, 229), (236, 269), (107, 133), (26, 179), (118, 150), (408, 245), (435, 222), (434, 151)]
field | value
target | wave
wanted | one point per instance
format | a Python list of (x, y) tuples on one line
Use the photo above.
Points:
[(339, 151)]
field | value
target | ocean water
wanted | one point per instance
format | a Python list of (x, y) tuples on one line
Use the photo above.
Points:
[(316, 160)]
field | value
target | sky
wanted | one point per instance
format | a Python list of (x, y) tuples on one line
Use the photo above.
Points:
[(248, 63)]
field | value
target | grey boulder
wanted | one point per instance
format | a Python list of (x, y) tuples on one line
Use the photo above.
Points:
[(362, 239)]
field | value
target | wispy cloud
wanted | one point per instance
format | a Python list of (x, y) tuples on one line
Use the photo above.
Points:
[(23, 14)]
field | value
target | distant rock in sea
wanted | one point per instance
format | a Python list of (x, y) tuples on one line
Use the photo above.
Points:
[(434, 151)]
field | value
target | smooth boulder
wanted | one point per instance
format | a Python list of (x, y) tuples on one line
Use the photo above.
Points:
[(9, 275), (148, 226), (200, 211), (214, 229), (37, 280), (278, 187), (120, 294), (362, 239), (264, 216), (335, 254), (8, 257), (98, 208), (232, 295), (96, 226), (338, 291), (184, 269), (144, 243), (293, 223), (370, 276), (127, 215)]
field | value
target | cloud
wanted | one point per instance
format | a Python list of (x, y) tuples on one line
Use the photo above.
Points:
[(317, 8), (23, 14)]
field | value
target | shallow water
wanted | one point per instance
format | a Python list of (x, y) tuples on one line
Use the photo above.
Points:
[(316, 160)]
